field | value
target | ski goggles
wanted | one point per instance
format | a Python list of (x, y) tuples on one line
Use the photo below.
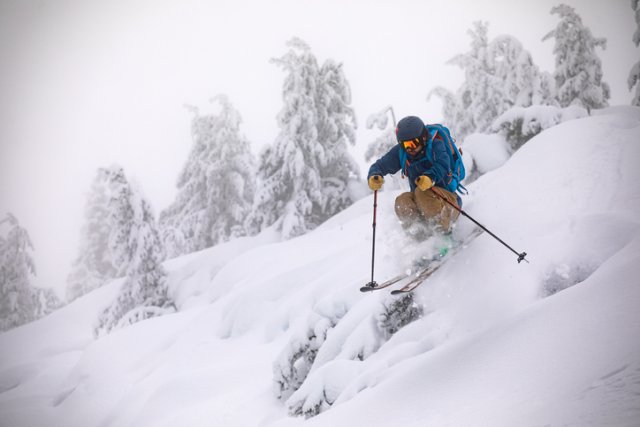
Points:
[(411, 144)]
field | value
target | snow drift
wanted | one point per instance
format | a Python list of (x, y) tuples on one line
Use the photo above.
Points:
[(267, 329)]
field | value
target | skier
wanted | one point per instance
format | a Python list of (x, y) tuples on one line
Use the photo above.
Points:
[(421, 211)]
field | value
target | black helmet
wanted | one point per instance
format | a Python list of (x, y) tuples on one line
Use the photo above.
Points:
[(408, 128)]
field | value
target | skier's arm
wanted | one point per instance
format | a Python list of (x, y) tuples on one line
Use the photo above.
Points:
[(387, 164)]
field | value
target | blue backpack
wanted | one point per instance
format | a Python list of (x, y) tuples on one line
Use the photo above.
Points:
[(457, 171)]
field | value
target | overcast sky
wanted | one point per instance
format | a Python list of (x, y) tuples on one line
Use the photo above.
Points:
[(88, 83)]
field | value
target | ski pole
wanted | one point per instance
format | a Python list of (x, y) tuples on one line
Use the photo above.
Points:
[(521, 256), (373, 283)]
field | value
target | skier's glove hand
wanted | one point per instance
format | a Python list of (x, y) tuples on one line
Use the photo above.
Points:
[(375, 182), (424, 182)]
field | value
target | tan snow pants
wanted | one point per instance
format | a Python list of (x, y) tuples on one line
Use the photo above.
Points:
[(427, 207)]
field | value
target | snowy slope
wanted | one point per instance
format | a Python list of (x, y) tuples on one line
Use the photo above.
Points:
[(553, 342), (569, 360)]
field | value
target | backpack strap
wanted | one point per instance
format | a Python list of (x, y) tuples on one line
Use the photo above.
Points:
[(404, 163), (430, 139)]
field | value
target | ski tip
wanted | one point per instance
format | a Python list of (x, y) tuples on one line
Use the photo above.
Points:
[(371, 286), (398, 292)]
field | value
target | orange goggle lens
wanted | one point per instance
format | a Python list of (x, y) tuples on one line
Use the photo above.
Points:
[(411, 144)]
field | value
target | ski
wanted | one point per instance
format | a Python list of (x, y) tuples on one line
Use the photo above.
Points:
[(420, 278), (423, 275), (386, 284)]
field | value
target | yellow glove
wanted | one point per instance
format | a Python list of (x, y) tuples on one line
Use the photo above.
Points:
[(424, 182), (375, 182)]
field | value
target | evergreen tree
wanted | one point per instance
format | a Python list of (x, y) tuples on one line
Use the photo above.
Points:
[(453, 115), (303, 175), (215, 187), (20, 301), (336, 131), (16, 270), (46, 301), (518, 81), (634, 75), (94, 264), (578, 72), (467, 110), (135, 242), (499, 74), (123, 202), (105, 252)]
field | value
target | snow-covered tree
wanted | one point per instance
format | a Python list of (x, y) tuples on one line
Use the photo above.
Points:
[(94, 265), (124, 200), (336, 124), (106, 248), (303, 175), (578, 72), (452, 113), (20, 301), (136, 239), (46, 301), (397, 313), (464, 110), (520, 124), (634, 74), (308, 374), (16, 271), (518, 81), (215, 187), (295, 361), (499, 74)]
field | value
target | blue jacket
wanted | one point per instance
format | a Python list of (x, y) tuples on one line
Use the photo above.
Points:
[(417, 165)]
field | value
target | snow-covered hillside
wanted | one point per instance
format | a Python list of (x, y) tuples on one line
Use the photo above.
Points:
[(494, 342)]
